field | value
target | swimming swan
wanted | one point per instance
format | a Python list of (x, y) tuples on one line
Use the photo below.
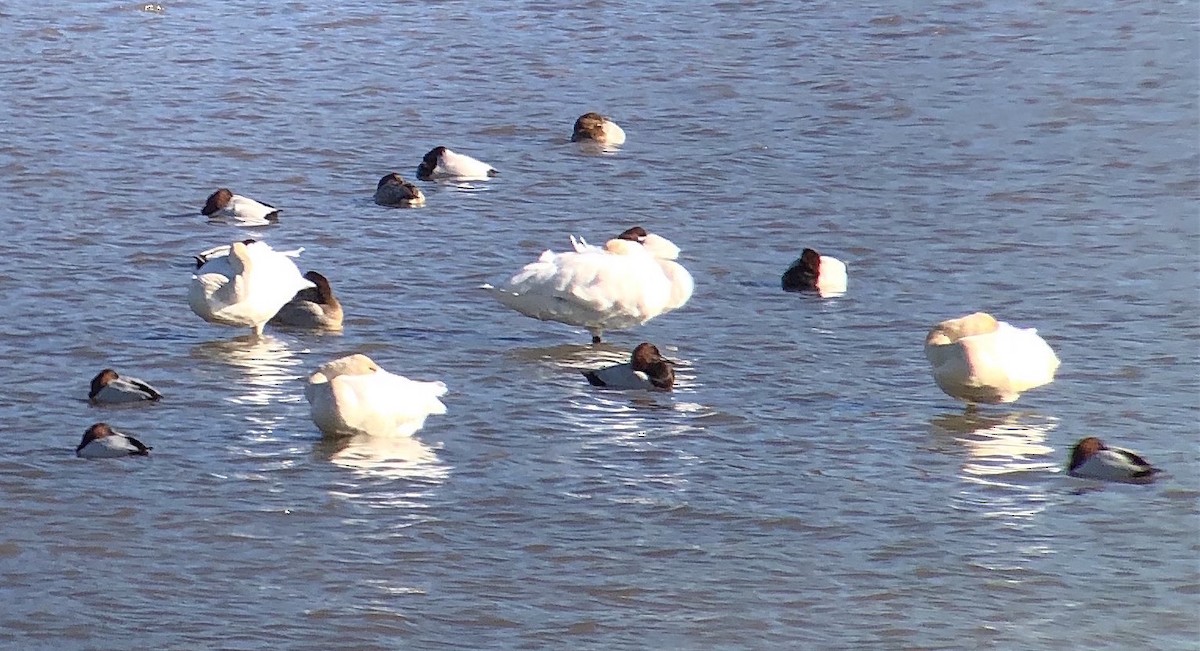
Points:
[(813, 271), (108, 388), (976, 358), (1092, 459), (600, 129), (441, 163), (224, 203), (103, 442), (646, 369), (246, 287), (618, 286), (353, 395)]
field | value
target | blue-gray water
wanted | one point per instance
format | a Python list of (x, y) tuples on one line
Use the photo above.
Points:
[(807, 485)]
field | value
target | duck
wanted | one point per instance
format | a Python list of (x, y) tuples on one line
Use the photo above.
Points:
[(441, 163), (1092, 459), (620, 285), (224, 203), (315, 307), (109, 388), (246, 287), (815, 272), (353, 395), (658, 246), (103, 442), (647, 369), (600, 129), (979, 359), (393, 190)]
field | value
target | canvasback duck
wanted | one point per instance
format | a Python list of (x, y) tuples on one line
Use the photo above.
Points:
[(441, 163), (224, 203), (353, 395), (315, 307), (600, 129), (108, 388), (394, 191), (813, 271), (978, 359), (246, 287), (658, 246), (618, 286), (646, 369), (1092, 459), (103, 442)]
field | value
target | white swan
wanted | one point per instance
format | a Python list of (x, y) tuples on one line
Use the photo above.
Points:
[(1092, 459), (224, 203), (393, 190), (976, 358), (441, 163), (316, 307), (618, 286), (103, 442), (647, 369), (108, 388), (600, 129), (222, 250), (353, 395), (813, 271), (246, 287)]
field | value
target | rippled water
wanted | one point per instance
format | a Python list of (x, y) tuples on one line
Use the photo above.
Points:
[(807, 486)]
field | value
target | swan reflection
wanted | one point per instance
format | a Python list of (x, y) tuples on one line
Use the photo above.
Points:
[(393, 457), (1000, 444), (267, 363)]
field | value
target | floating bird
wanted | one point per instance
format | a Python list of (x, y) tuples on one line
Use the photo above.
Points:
[(353, 395), (222, 250), (813, 271), (646, 369), (103, 442), (600, 129), (246, 287), (224, 203), (441, 163), (618, 286), (393, 190), (108, 388), (1092, 459), (978, 359), (315, 307)]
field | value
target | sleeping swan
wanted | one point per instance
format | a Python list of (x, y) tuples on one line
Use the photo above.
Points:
[(315, 307), (246, 287), (976, 358), (625, 283), (352, 395)]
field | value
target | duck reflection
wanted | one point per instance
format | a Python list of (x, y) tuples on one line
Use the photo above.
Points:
[(391, 457)]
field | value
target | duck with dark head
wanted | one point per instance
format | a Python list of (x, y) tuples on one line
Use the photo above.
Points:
[(647, 369)]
